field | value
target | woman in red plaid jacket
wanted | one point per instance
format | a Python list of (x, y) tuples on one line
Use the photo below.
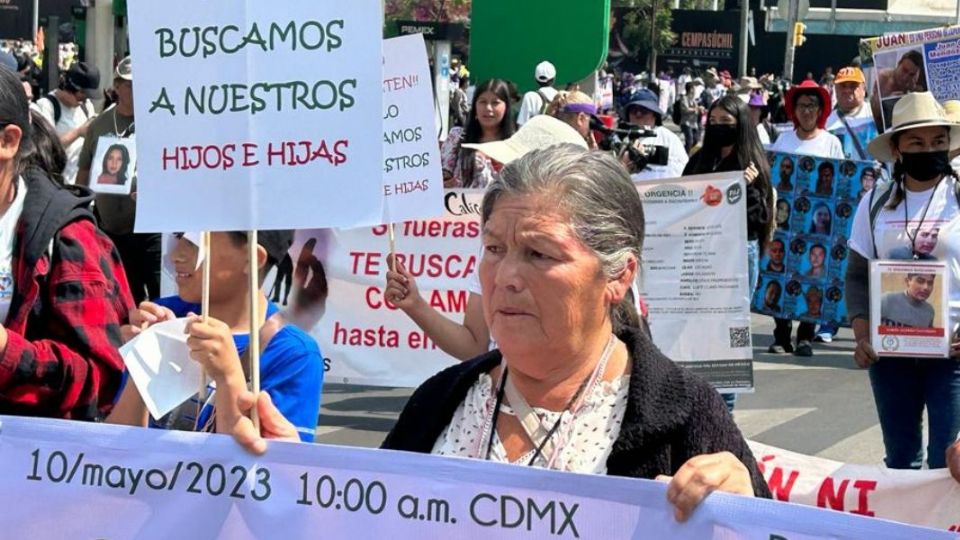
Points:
[(63, 291)]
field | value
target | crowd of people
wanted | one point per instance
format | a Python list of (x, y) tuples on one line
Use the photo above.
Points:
[(556, 367)]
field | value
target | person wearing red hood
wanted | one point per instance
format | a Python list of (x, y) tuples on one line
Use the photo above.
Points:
[(807, 106)]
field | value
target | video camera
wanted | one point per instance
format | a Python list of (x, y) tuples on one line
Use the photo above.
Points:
[(622, 140)]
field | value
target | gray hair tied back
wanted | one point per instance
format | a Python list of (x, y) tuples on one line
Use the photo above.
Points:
[(592, 188)]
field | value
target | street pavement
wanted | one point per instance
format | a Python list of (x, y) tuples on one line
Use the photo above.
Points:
[(820, 406)]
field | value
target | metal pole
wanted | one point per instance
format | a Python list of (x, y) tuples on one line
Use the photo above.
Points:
[(36, 18), (653, 40), (790, 50), (744, 12), (958, 12)]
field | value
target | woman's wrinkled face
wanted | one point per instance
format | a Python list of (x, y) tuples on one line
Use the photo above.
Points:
[(543, 289), (490, 110), (114, 161)]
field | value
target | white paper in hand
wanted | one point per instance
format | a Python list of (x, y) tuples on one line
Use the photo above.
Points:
[(160, 365)]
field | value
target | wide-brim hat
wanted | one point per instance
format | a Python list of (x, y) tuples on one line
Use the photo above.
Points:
[(539, 132), (913, 111), (808, 87)]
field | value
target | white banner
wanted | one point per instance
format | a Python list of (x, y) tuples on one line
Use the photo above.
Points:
[(927, 498), (66, 479), (257, 115), (412, 179)]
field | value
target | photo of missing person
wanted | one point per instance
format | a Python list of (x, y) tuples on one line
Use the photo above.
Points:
[(899, 72), (776, 251), (813, 300), (306, 300), (821, 219), (786, 174), (772, 292), (806, 164), (825, 175), (910, 301), (815, 264), (922, 247), (113, 166), (783, 214)]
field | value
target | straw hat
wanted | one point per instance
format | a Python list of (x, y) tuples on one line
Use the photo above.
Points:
[(914, 110), (541, 131), (952, 108)]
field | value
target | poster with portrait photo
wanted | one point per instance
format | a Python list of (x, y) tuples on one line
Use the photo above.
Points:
[(114, 165), (900, 63), (816, 202), (909, 309)]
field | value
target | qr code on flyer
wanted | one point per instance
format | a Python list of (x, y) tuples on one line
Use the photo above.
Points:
[(740, 337)]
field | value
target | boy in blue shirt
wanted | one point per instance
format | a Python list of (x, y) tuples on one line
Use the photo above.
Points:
[(291, 368)]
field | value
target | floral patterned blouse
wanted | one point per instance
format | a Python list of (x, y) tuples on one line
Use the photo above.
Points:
[(450, 160)]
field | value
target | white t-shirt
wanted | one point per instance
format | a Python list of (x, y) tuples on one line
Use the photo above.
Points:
[(865, 113), (70, 118), (8, 235), (676, 160), (824, 145), (532, 103), (943, 216)]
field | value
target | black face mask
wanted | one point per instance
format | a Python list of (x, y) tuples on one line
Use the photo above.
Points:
[(925, 166), (721, 135)]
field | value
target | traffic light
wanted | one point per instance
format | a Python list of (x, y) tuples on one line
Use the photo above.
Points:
[(798, 37)]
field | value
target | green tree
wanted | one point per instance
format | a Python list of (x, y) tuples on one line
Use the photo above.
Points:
[(429, 10), (637, 30)]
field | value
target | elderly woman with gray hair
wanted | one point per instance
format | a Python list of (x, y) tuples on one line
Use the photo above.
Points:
[(569, 388)]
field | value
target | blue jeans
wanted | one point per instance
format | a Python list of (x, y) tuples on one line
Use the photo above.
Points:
[(901, 389), (753, 274)]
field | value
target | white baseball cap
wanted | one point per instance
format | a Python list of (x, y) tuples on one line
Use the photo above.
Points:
[(545, 72), (539, 132)]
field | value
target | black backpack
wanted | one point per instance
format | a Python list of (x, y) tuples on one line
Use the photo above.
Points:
[(58, 108)]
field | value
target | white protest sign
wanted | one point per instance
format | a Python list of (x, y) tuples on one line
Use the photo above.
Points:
[(412, 179), (930, 498), (159, 363), (910, 309), (695, 278), (257, 115), (77, 480)]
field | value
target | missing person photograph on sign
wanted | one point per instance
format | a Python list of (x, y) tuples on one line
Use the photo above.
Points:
[(909, 309), (113, 166)]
